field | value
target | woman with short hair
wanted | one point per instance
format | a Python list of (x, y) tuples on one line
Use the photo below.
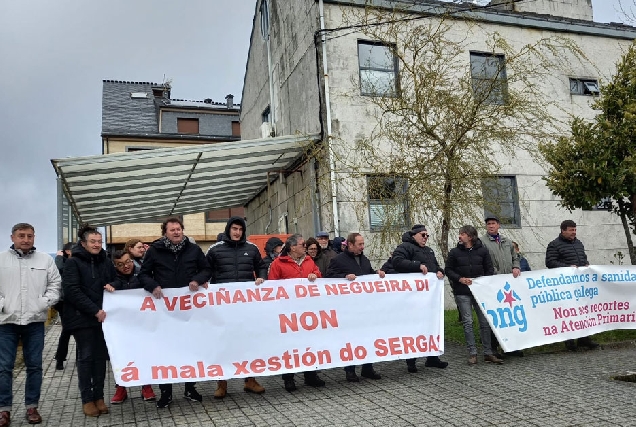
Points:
[(137, 249)]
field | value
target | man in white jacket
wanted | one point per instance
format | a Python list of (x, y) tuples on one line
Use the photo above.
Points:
[(29, 285)]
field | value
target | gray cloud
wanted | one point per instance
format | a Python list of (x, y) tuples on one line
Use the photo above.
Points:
[(55, 55)]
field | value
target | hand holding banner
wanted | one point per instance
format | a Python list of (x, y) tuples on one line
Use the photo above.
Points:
[(239, 330), (545, 306)]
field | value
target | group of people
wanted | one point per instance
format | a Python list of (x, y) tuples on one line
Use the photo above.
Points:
[(31, 282)]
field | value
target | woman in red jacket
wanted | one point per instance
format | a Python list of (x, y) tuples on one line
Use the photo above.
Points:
[(294, 263)]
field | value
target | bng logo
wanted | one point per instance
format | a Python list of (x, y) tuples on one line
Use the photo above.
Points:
[(511, 315)]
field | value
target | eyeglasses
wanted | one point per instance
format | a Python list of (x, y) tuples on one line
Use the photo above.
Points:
[(424, 235), (122, 264), (314, 249)]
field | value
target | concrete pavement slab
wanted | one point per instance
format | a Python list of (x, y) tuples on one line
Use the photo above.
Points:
[(560, 389)]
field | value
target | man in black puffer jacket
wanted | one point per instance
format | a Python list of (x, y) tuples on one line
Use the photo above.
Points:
[(234, 259), (568, 251), (469, 260), (413, 256), (174, 262), (349, 264), (86, 273)]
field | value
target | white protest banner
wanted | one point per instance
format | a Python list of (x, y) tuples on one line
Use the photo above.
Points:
[(546, 306), (238, 330)]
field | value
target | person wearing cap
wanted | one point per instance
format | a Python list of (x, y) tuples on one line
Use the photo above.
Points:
[(413, 256), (505, 259), (325, 254)]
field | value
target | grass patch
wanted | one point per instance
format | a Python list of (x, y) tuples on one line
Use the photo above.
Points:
[(454, 332)]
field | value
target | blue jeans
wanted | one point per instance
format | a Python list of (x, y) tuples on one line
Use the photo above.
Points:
[(91, 363), (32, 336), (466, 303)]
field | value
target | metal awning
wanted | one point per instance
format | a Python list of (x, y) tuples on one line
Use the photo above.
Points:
[(146, 185)]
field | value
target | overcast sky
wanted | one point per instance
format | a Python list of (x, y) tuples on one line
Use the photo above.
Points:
[(54, 55)]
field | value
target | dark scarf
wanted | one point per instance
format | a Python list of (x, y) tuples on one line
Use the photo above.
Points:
[(20, 253), (174, 248)]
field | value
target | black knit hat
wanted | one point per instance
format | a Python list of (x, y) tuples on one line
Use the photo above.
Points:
[(417, 228)]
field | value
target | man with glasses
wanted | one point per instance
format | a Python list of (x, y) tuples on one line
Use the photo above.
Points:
[(126, 279), (413, 256)]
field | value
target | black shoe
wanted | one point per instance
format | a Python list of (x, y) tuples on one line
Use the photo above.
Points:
[(314, 381), (193, 395), (352, 377), (570, 345), (371, 374), (59, 365), (290, 385), (587, 342), (411, 368), (165, 400), (435, 362)]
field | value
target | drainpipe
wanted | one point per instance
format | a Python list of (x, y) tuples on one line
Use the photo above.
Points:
[(332, 163), (265, 33)]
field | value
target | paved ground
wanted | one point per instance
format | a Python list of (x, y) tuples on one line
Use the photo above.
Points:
[(562, 389)]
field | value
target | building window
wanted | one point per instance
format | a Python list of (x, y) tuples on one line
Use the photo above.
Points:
[(265, 115), (584, 87), (488, 73), (388, 204), (133, 149), (188, 125), (222, 215), (236, 128), (501, 199), (605, 204), (378, 69)]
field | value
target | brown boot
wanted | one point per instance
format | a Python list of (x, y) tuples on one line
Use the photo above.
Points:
[(221, 389), (252, 386), (5, 418), (90, 410), (32, 416), (101, 406)]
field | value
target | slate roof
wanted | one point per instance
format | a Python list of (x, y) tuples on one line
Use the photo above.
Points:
[(121, 114), (127, 116), (498, 15)]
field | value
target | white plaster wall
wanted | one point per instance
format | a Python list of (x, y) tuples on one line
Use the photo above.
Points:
[(298, 101), (600, 232), (294, 72)]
